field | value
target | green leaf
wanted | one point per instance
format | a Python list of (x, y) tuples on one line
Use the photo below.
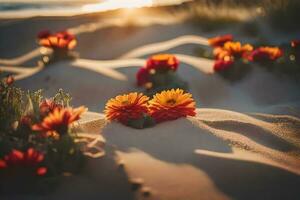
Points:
[(145, 122), (137, 123)]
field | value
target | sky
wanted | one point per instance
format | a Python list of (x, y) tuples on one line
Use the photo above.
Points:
[(49, 1)]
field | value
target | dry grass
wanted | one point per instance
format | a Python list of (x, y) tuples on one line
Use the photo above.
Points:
[(215, 14)]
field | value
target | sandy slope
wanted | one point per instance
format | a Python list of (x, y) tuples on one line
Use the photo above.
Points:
[(218, 154)]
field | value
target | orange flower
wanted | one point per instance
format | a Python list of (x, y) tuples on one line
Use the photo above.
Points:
[(162, 62), (224, 59), (219, 40), (126, 107), (31, 158), (221, 65), (220, 53), (171, 104), (59, 40), (57, 122), (266, 54), (237, 49)]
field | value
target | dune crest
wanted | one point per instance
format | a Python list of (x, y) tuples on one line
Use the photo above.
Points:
[(217, 147), (166, 45), (275, 141)]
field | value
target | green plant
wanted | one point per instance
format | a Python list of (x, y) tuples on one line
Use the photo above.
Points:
[(29, 151)]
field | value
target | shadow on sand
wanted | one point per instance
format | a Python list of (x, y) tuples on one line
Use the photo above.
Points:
[(176, 141)]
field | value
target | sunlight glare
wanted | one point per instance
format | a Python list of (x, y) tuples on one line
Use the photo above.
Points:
[(116, 4)]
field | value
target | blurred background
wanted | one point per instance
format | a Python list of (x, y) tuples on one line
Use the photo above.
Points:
[(282, 14), (145, 27)]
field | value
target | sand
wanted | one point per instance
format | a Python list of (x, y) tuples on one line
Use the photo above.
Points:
[(243, 143), (218, 154)]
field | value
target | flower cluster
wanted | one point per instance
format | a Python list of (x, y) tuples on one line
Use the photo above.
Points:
[(61, 44), (227, 52), (59, 40), (162, 62), (159, 74), (36, 137), (158, 63), (136, 109), (232, 57), (30, 161), (265, 54)]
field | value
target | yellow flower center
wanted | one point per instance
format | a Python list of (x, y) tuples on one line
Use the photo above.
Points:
[(161, 57), (171, 101)]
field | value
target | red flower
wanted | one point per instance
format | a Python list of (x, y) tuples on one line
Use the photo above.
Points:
[(295, 43), (60, 40), (31, 158), (26, 120), (266, 54), (47, 106), (142, 76), (221, 65), (9, 80), (162, 62), (220, 40), (43, 34)]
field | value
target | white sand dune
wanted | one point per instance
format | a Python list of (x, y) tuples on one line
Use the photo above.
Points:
[(22, 72), (223, 155), (204, 65), (166, 45), (107, 67), (21, 59)]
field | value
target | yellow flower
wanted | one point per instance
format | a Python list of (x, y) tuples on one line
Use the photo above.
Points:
[(60, 40), (171, 104), (127, 107), (162, 62), (222, 54), (237, 49)]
